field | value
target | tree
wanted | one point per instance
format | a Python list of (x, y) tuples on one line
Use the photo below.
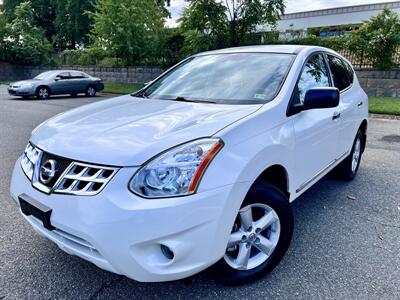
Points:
[(245, 15), (72, 23), (205, 25), (128, 30), (26, 42), (378, 39), (240, 16), (43, 16)]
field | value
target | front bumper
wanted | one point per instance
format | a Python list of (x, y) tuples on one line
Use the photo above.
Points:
[(23, 92), (123, 233)]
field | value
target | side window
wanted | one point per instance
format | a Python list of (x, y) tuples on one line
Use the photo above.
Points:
[(314, 74), (340, 73), (76, 75), (64, 75), (350, 72)]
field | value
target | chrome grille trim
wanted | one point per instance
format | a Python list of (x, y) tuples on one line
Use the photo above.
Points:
[(79, 180)]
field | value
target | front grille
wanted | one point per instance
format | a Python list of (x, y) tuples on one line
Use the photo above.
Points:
[(84, 179), (50, 173)]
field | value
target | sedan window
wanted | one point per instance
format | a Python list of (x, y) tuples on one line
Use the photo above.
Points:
[(314, 74), (64, 75), (76, 75)]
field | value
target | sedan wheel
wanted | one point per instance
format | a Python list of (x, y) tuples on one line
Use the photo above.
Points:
[(43, 93), (90, 91)]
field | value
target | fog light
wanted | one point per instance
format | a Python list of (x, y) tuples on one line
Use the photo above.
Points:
[(167, 252)]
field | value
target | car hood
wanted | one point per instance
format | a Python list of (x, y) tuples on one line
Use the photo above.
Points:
[(19, 83), (127, 131)]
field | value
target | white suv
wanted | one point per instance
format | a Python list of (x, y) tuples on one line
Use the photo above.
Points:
[(198, 168)]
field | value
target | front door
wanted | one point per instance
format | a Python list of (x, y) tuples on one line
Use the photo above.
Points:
[(316, 130)]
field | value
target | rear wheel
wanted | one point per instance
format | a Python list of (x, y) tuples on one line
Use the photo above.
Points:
[(43, 93), (90, 91), (347, 170), (260, 236)]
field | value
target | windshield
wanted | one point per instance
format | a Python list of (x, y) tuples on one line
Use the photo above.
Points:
[(45, 75), (237, 78)]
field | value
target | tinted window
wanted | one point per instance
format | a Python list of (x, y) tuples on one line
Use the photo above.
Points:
[(350, 72), (340, 74), (64, 75), (78, 75), (225, 78), (314, 74)]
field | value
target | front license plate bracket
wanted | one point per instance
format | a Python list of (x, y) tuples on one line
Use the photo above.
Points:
[(31, 207)]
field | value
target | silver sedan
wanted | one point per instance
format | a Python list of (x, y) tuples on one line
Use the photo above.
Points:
[(57, 83)]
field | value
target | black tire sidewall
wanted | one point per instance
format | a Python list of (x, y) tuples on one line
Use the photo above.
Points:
[(344, 170), (277, 200)]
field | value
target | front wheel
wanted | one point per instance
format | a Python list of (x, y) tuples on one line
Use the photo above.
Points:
[(43, 93), (90, 91), (260, 236)]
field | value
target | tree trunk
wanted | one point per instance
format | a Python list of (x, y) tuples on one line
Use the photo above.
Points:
[(234, 34)]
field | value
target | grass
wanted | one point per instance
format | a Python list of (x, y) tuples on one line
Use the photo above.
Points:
[(121, 88), (5, 82), (384, 105)]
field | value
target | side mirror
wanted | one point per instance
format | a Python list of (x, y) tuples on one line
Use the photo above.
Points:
[(58, 78), (321, 98)]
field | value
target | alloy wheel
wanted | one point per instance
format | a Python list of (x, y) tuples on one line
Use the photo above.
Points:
[(254, 237), (356, 155), (43, 93), (91, 91)]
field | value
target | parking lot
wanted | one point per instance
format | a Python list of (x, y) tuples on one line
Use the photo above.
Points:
[(346, 242)]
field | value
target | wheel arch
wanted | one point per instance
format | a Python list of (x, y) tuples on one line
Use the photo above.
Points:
[(276, 175)]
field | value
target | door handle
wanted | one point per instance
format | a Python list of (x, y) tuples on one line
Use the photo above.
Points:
[(336, 115), (360, 104)]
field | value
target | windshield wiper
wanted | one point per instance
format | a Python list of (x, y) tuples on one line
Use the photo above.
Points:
[(183, 99)]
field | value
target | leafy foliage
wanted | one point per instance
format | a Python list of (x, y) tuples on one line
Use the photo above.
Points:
[(129, 30), (378, 38), (26, 42), (245, 15), (72, 23), (205, 26)]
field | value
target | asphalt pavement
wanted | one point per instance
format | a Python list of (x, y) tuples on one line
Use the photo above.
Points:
[(346, 242)]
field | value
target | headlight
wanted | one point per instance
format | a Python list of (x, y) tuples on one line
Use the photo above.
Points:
[(30, 158), (176, 172), (26, 85)]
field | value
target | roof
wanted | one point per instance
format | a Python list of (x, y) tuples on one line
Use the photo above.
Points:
[(289, 49)]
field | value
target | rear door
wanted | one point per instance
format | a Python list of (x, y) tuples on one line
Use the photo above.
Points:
[(79, 81), (316, 130), (350, 102)]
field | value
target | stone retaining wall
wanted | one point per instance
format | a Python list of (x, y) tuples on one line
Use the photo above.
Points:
[(10, 72), (380, 82), (375, 82)]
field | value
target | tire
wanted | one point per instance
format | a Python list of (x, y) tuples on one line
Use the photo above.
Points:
[(43, 93), (347, 169), (90, 91), (261, 201)]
